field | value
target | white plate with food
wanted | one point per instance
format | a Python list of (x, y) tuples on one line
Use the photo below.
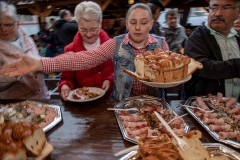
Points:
[(166, 85), (85, 94)]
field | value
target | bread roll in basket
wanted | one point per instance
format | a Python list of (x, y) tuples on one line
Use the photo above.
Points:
[(164, 67)]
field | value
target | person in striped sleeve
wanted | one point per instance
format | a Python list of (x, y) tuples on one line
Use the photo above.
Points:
[(122, 49)]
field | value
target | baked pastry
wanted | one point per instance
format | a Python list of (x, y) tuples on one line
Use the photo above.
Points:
[(157, 148), (159, 66), (21, 139), (166, 147), (196, 150)]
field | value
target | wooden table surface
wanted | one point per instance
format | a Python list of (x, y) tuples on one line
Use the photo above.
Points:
[(89, 131)]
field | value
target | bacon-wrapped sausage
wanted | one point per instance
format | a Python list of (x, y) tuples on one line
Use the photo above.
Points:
[(230, 102), (210, 115), (132, 118), (134, 124), (202, 103), (138, 132), (213, 121), (219, 127), (219, 98), (229, 135), (235, 110)]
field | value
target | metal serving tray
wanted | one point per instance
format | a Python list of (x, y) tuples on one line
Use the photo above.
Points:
[(138, 102), (214, 149), (213, 134), (56, 120)]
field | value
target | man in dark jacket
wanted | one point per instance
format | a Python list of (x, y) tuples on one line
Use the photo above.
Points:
[(65, 30), (156, 7), (216, 45)]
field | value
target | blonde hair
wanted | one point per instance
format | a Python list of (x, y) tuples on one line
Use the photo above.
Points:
[(89, 11)]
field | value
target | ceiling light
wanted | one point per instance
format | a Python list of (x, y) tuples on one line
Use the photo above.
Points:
[(130, 1)]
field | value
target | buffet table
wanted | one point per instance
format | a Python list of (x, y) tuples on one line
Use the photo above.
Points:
[(89, 131)]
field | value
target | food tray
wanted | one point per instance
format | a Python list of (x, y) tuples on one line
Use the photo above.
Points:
[(211, 147), (212, 133), (166, 85), (138, 102), (56, 120)]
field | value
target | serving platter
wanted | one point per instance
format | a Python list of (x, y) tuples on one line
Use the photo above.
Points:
[(140, 102), (100, 91), (220, 114), (166, 85), (215, 150), (14, 112)]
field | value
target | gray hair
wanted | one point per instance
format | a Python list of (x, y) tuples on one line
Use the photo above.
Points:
[(89, 11), (8, 10), (139, 5), (171, 12), (63, 13), (238, 2)]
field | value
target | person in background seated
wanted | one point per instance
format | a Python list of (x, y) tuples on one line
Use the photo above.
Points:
[(52, 21), (122, 49), (188, 28), (173, 32), (36, 40), (64, 30), (13, 40), (46, 37), (89, 18), (156, 7), (216, 45)]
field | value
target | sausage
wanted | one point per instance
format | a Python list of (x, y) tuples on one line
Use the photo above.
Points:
[(230, 102), (202, 103), (135, 124)]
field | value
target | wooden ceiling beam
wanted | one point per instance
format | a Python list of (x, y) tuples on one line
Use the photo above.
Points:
[(105, 4), (41, 11), (50, 3), (166, 2)]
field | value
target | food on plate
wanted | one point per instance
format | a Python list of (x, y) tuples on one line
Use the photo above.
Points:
[(146, 123), (20, 140), (225, 120), (85, 93), (29, 111), (160, 66)]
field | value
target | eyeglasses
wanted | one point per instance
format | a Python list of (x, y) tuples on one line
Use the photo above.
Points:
[(92, 31), (7, 26), (223, 8)]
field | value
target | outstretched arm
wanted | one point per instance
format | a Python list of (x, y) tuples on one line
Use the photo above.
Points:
[(26, 65)]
